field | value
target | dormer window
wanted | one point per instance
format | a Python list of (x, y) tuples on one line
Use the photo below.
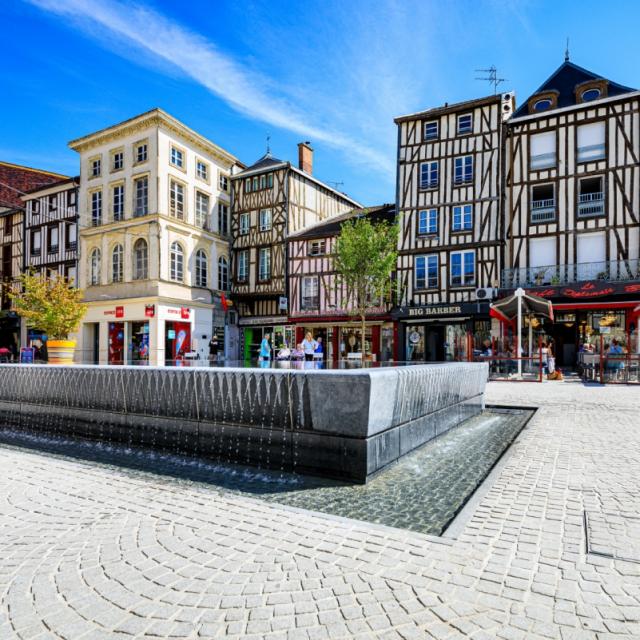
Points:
[(590, 94), (542, 105)]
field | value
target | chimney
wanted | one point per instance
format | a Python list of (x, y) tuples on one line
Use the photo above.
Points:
[(305, 157)]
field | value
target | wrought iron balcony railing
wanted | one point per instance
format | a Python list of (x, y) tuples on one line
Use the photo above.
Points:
[(590, 204), (560, 274), (543, 210)]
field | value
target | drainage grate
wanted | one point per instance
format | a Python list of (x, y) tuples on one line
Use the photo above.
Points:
[(612, 535)]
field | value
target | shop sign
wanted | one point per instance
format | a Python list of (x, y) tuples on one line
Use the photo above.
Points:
[(171, 334), (119, 312), (149, 310), (427, 312), (174, 313), (587, 290), (283, 303), (185, 313)]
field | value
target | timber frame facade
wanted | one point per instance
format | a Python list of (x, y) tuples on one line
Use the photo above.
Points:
[(272, 199)]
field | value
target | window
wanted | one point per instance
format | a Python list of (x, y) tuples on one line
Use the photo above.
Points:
[(176, 200), (202, 274), (35, 207), (429, 175), (264, 264), (117, 198), (176, 262), (462, 218), (202, 210), (53, 203), (465, 124), (8, 225), (70, 273), (428, 222), (96, 167), (36, 242), (117, 160), (543, 150), (141, 154), (72, 197), (70, 236), (431, 130), (263, 181), (245, 222), (223, 219), (542, 105), (310, 295), (94, 267), (224, 183), (463, 170), (177, 157), (202, 170), (223, 274), (590, 197), (254, 183), (463, 268), (140, 260), (96, 208), (270, 180), (591, 144), (426, 272), (543, 203), (243, 265), (590, 94), (316, 248), (247, 185), (265, 219), (117, 264), (141, 202)]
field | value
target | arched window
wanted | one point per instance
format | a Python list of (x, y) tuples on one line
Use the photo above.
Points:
[(590, 94), (94, 267), (176, 271), (201, 268), (542, 105), (223, 274), (140, 260), (117, 264)]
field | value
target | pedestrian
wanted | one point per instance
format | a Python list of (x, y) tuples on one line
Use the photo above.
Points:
[(213, 349), (318, 353), (309, 346), (265, 349)]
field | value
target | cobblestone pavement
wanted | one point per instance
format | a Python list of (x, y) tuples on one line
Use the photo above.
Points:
[(91, 552)]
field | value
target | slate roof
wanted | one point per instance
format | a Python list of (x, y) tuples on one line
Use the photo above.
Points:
[(265, 162), (564, 80), (333, 225)]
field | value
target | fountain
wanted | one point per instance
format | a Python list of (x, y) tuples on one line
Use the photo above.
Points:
[(346, 424)]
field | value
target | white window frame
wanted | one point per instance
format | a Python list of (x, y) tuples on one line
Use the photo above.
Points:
[(142, 152), (117, 202), (176, 157), (431, 123), (177, 203), (96, 167), (310, 301), (203, 203), (265, 219), (467, 129), (430, 219), (140, 259), (462, 217), (202, 170), (223, 273), (117, 263), (223, 182), (428, 282), (94, 267), (433, 168), (223, 218), (36, 242), (245, 223), (141, 196), (243, 266), (176, 262), (201, 260), (464, 282), (96, 208), (317, 248), (461, 175), (117, 160), (264, 264)]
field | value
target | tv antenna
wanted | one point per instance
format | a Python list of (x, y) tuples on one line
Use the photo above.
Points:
[(491, 77), (268, 143), (335, 185)]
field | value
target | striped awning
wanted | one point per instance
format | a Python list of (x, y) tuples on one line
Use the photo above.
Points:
[(507, 308)]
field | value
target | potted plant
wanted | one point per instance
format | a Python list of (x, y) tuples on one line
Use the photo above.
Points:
[(52, 305)]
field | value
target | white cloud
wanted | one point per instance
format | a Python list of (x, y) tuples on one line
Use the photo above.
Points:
[(142, 29)]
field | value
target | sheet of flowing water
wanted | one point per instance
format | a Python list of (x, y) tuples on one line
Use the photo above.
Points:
[(422, 492)]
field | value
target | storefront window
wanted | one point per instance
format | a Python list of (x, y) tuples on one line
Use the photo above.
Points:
[(415, 343), (139, 343), (351, 341), (598, 327), (455, 346), (386, 343)]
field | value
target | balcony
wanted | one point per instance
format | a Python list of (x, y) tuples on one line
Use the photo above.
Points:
[(554, 275), (543, 210), (590, 204)]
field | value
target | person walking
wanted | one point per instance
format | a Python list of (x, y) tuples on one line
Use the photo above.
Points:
[(309, 346), (265, 350), (213, 349)]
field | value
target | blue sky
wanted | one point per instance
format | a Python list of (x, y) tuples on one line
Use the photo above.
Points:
[(332, 72)]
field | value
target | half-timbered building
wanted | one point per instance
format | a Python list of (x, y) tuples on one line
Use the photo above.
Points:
[(572, 211), (449, 201), (15, 181), (272, 199), (319, 303)]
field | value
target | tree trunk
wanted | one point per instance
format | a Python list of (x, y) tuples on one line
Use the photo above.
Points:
[(364, 342)]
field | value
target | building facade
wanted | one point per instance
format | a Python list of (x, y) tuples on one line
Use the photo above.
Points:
[(154, 216), (320, 304), (449, 198), (15, 181), (572, 228), (271, 200)]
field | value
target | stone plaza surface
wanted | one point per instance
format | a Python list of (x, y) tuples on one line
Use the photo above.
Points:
[(88, 551)]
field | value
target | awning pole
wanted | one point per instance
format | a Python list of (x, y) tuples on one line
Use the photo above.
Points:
[(519, 294)]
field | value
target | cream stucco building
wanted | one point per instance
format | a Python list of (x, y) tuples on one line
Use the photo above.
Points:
[(154, 222)]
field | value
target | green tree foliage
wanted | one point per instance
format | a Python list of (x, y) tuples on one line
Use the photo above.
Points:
[(49, 304), (366, 254)]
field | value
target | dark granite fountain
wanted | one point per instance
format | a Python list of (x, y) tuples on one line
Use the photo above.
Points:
[(340, 424)]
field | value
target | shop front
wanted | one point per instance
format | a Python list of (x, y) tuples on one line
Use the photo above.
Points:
[(441, 332), (144, 333), (253, 330)]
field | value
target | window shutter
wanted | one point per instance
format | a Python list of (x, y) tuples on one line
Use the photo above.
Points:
[(542, 252), (543, 143)]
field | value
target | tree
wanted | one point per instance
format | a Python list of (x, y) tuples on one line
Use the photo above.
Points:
[(49, 304), (366, 254)]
